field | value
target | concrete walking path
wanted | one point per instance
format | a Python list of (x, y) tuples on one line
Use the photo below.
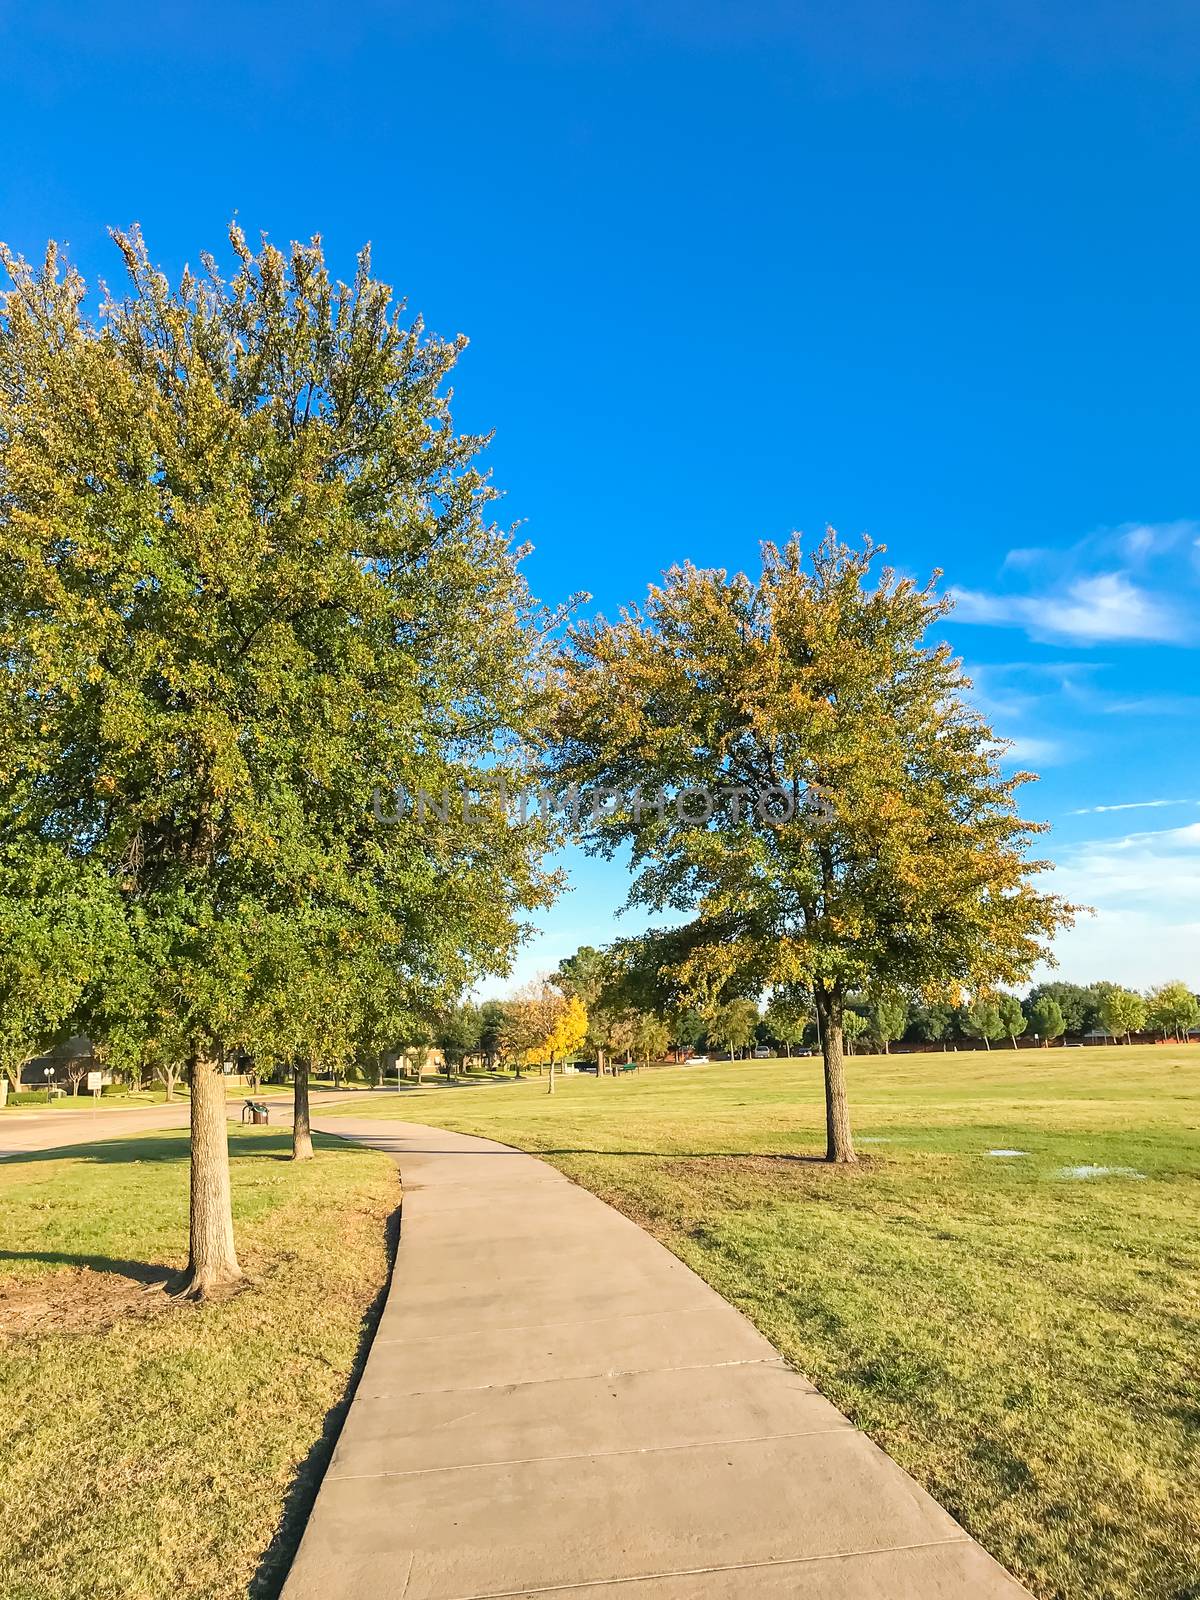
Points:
[(555, 1405)]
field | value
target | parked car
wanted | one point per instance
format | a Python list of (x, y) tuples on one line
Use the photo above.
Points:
[(763, 1052), (696, 1061)]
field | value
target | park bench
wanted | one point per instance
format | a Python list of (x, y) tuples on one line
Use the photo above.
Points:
[(255, 1111), (627, 1066)]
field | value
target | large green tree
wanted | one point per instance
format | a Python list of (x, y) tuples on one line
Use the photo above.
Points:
[(814, 793), (982, 1020), (1012, 1016), (1172, 1008), (248, 576), (589, 976), (1078, 1003), (1122, 1012), (734, 1024), (887, 1015), (1046, 1018)]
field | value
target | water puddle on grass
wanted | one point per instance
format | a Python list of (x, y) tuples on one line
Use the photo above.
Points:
[(1008, 1152), (1100, 1172)]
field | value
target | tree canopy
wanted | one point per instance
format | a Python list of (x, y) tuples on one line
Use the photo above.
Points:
[(248, 578), (798, 772)]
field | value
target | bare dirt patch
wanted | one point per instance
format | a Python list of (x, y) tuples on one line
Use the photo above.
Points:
[(76, 1300)]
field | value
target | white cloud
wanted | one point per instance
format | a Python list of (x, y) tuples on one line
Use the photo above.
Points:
[(1134, 582), (1024, 749), (1152, 705), (1028, 557), (1136, 540), (1145, 890), (1147, 871), (1105, 607), (1128, 805), (1135, 948)]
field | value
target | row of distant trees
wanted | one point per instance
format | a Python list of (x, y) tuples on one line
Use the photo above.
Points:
[(592, 989), (1050, 1011)]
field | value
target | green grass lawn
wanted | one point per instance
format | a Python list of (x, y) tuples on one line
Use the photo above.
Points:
[(35, 1099), (149, 1448), (1024, 1341)]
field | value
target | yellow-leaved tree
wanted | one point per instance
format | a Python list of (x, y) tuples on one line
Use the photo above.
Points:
[(568, 1034)]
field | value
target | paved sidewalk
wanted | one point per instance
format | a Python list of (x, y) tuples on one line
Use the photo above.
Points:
[(554, 1405)]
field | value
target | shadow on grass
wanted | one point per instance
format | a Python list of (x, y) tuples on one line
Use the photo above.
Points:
[(139, 1271), (277, 1559), (167, 1147), (696, 1155)]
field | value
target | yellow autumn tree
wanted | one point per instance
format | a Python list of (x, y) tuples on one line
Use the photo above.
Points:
[(568, 1033)]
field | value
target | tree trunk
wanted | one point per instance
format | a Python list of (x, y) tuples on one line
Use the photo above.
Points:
[(302, 1148), (987, 1042), (212, 1260), (599, 1065), (839, 1144), (550, 1090)]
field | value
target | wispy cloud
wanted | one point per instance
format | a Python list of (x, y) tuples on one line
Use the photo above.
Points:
[(1025, 749), (1144, 888), (1108, 607), (1134, 583), (1151, 705), (1129, 805), (1150, 869)]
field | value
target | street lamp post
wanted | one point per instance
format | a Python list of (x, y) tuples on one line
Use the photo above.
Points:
[(49, 1074)]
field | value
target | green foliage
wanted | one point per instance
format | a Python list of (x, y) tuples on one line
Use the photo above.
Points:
[(457, 1032), (1172, 1009), (734, 1023), (491, 1029), (687, 1027), (1122, 1012), (904, 861), (887, 1016), (594, 978), (854, 1025), (929, 1023), (61, 934), (649, 1036), (981, 1020), (249, 577), (1046, 1018), (1012, 1016), (788, 1014), (1079, 1004)]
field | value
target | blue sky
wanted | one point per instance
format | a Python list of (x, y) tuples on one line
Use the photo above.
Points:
[(728, 270)]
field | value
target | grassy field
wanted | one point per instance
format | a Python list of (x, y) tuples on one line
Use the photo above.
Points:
[(1021, 1336), (149, 1448), (36, 1100)]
